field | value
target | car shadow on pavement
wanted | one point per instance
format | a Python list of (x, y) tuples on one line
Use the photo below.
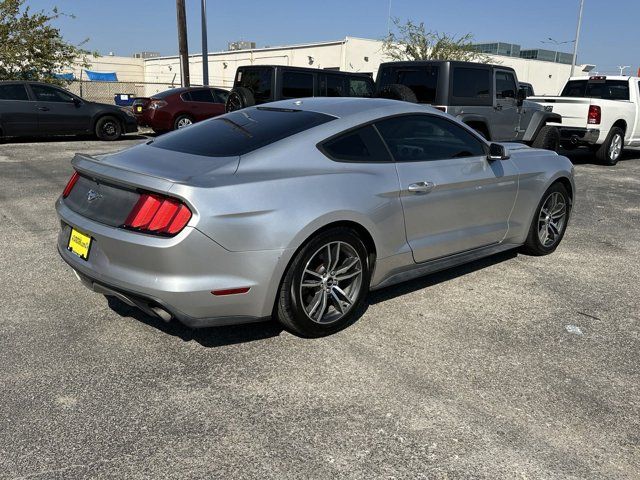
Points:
[(207, 337), (582, 156), (438, 277)]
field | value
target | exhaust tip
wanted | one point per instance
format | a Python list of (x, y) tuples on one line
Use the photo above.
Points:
[(162, 313)]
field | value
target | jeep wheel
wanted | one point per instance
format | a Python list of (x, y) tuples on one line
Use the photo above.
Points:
[(548, 138), (396, 91), (238, 99)]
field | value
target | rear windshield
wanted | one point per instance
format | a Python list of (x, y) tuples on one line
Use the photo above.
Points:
[(168, 93), (607, 89), (422, 80), (240, 132)]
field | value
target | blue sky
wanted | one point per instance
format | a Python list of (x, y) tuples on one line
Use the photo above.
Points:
[(609, 33)]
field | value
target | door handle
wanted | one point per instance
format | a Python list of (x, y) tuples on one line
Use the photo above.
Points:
[(43, 109), (421, 187)]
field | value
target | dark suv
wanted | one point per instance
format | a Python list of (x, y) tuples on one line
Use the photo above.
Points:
[(35, 109), (488, 98), (254, 85)]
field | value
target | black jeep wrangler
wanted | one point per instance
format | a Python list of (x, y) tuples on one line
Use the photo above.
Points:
[(258, 84), (488, 98)]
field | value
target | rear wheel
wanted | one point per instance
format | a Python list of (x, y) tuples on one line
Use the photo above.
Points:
[(396, 91), (108, 128), (549, 222), (325, 287), (548, 138), (609, 152), (182, 121)]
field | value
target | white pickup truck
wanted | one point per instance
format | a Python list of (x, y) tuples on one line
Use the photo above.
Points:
[(600, 112)]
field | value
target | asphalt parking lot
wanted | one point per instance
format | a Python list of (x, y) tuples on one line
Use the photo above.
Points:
[(511, 367)]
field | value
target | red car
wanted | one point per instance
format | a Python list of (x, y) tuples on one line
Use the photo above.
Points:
[(179, 107)]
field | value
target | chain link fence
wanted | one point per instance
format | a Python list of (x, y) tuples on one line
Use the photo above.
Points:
[(105, 92)]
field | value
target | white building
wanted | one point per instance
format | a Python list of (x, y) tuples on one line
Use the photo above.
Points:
[(350, 54)]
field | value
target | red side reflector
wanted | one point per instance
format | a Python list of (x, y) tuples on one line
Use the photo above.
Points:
[(594, 116), (231, 291), (70, 184)]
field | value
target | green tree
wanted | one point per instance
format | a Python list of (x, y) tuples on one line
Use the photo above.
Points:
[(411, 41), (31, 48)]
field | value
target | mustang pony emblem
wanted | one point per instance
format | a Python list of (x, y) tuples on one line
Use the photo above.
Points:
[(93, 195)]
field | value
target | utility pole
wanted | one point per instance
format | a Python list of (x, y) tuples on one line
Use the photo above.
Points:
[(183, 47), (205, 53), (575, 45)]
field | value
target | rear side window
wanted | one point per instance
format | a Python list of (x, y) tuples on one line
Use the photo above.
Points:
[(361, 87), (203, 95), (240, 132), (422, 80), (13, 92), (360, 145), (297, 85), (471, 83), (418, 138), (505, 85), (258, 80), (333, 86), (606, 89)]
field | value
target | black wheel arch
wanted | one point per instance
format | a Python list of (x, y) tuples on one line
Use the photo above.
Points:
[(475, 121), (538, 120), (117, 115)]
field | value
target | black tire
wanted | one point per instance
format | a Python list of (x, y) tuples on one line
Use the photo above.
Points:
[(396, 91), (290, 305), (108, 128), (533, 245), (605, 153), (239, 98), (480, 130), (548, 138), (182, 121)]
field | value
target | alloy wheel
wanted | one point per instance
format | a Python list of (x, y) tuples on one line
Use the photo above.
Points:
[(184, 122), (616, 147), (552, 219), (331, 282)]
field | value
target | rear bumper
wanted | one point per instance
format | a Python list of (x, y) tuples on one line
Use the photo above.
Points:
[(579, 136), (174, 277)]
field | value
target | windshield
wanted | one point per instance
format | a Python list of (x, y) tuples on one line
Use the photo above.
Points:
[(240, 132), (422, 80), (605, 89)]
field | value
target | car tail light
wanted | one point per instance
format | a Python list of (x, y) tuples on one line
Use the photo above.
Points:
[(157, 104), (442, 109), (158, 214), (70, 184), (594, 115)]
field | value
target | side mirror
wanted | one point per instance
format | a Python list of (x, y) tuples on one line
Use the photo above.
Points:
[(522, 94), (498, 152), (77, 102)]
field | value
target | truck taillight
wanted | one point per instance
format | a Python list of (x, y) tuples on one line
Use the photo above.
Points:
[(157, 214), (594, 115), (70, 184)]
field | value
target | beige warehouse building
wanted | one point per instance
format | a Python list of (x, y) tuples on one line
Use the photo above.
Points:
[(350, 54)]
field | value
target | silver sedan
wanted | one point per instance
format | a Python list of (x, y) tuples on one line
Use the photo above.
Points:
[(296, 209)]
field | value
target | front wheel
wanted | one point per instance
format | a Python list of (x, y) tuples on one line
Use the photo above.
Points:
[(108, 128), (549, 222), (609, 152), (326, 284)]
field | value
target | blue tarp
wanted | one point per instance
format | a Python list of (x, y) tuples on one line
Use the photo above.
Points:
[(102, 77), (64, 76)]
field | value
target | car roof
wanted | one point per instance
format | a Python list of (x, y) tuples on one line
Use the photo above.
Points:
[(344, 107), (306, 69), (418, 63)]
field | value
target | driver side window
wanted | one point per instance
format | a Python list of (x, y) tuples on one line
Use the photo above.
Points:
[(419, 138), (44, 93), (505, 85)]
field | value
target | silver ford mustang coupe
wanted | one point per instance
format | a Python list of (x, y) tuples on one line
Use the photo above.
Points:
[(296, 209)]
